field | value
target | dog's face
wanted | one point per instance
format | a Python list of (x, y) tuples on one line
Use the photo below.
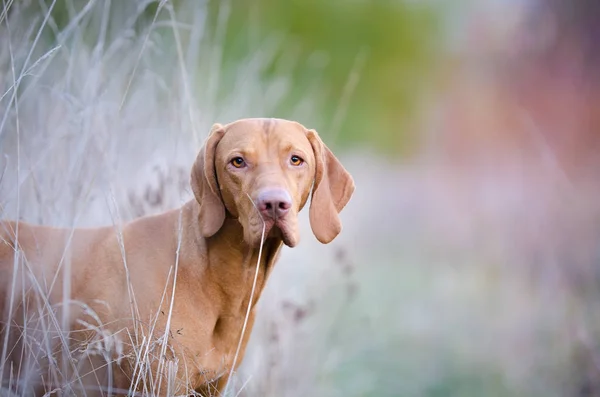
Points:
[(261, 172)]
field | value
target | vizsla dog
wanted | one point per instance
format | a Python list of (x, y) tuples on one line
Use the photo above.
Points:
[(164, 299)]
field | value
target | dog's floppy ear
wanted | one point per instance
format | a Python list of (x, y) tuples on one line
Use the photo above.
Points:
[(205, 186), (332, 189)]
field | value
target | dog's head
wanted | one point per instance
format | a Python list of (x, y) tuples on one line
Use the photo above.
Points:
[(261, 171)]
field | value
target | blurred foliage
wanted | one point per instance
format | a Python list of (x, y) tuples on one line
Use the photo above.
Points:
[(370, 60), (366, 63), (577, 22)]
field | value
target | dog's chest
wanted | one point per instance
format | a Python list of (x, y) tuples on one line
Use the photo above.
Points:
[(204, 341)]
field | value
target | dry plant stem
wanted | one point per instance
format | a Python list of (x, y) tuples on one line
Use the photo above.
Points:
[(243, 386), (216, 52), (184, 75), (132, 300), (146, 342), (23, 69), (169, 316), (139, 58), (348, 92), (16, 253), (239, 346), (5, 9)]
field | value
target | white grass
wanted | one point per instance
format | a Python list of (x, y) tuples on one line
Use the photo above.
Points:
[(100, 134), (250, 300)]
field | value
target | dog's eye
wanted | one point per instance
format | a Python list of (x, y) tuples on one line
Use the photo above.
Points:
[(295, 160), (238, 162)]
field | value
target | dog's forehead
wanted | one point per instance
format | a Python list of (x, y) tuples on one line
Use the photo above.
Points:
[(264, 126), (263, 130)]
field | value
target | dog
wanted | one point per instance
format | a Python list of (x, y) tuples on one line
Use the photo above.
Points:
[(159, 304)]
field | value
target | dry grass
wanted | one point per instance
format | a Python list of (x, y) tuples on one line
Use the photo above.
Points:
[(99, 134)]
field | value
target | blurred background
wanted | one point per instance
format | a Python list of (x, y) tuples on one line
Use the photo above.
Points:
[(469, 262)]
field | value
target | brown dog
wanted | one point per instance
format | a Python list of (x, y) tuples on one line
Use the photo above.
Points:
[(166, 297)]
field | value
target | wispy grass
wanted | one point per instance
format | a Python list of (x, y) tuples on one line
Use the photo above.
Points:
[(100, 122)]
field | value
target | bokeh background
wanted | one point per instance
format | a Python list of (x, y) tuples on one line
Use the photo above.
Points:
[(469, 262)]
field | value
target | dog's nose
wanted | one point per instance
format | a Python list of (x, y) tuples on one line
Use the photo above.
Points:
[(274, 203)]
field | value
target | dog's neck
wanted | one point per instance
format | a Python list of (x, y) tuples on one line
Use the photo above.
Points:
[(231, 262)]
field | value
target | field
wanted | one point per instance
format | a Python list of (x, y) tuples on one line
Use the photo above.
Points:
[(468, 264)]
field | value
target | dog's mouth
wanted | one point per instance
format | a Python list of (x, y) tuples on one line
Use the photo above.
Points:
[(280, 229)]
